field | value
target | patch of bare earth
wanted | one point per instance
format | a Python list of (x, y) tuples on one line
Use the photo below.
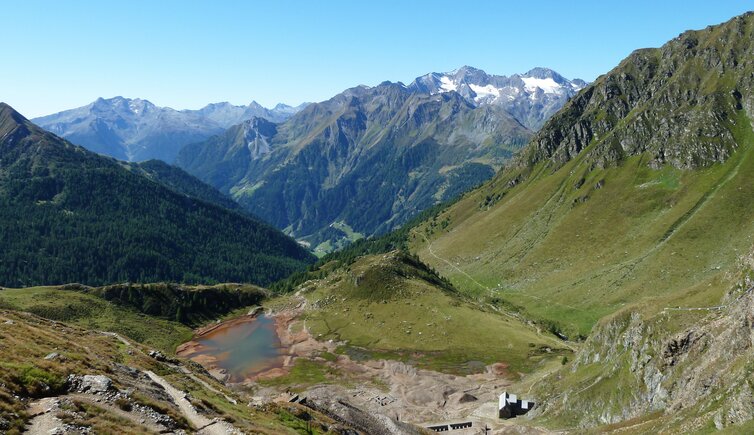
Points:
[(388, 388)]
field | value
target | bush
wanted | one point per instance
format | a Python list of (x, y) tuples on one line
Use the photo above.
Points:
[(37, 382)]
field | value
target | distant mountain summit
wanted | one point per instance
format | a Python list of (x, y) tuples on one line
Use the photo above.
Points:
[(360, 163), (371, 157), (531, 97), (137, 130)]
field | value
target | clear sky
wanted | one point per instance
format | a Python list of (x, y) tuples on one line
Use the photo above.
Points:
[(184, 54)]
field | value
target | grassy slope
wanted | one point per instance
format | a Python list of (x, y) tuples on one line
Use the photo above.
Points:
[(393, 307), (91, 312), (599, 243), (657, 237), (26, 339)]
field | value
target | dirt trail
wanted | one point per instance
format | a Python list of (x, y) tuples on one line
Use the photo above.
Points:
[(45, 420), (203, 424), (712, 308)]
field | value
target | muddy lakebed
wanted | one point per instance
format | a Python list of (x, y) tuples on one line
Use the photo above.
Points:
[(260, 346), (238, 350)]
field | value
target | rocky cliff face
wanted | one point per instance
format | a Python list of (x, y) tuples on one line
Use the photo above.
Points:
[(691, 364), (677, 102)]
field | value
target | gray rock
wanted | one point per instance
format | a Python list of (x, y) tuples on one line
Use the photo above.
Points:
[(52, 356), (96, 383)]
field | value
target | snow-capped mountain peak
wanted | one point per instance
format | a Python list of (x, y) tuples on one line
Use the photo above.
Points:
[(531, 97)]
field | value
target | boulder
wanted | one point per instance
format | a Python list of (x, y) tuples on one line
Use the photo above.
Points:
[(96, 383)]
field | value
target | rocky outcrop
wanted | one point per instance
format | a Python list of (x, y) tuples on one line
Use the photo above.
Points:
[(700, 370), (679, 103)]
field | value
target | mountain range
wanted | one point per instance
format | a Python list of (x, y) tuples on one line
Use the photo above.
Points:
[(137, 130), (532, 97), (362, 162), (603, 265), (368, 159), (313, 172), (70, 215)]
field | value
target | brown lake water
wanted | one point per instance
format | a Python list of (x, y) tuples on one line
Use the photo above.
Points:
[(242, 348)]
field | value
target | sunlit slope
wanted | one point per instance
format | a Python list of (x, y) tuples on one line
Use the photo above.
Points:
[(389, 305), (573, 254), (645, 233), (640, 189)]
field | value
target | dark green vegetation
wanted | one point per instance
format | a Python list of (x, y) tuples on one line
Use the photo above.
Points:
[(628, 220), (190, 305), (361, 163), (181, 182), (68, 215)]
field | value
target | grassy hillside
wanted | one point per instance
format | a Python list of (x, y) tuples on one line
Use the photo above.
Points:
[(390, 305), (91, 312), (575, 245), (160, 315), (578, 228), (627, 222), (42, 358)]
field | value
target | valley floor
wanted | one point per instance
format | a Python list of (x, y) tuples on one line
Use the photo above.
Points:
[(327, 372)]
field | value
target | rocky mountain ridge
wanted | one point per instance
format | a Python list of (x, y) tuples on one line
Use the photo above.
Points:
[(137, 130), (362, 162), (676, 102), (531, 97)]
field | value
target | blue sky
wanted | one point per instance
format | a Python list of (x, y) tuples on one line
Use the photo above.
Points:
[(185, 54)]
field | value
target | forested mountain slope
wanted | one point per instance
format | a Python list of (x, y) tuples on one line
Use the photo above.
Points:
[(69, 215)]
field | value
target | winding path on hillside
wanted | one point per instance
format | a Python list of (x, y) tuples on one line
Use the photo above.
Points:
[(203, 424), (710, 308), (538, 331)]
